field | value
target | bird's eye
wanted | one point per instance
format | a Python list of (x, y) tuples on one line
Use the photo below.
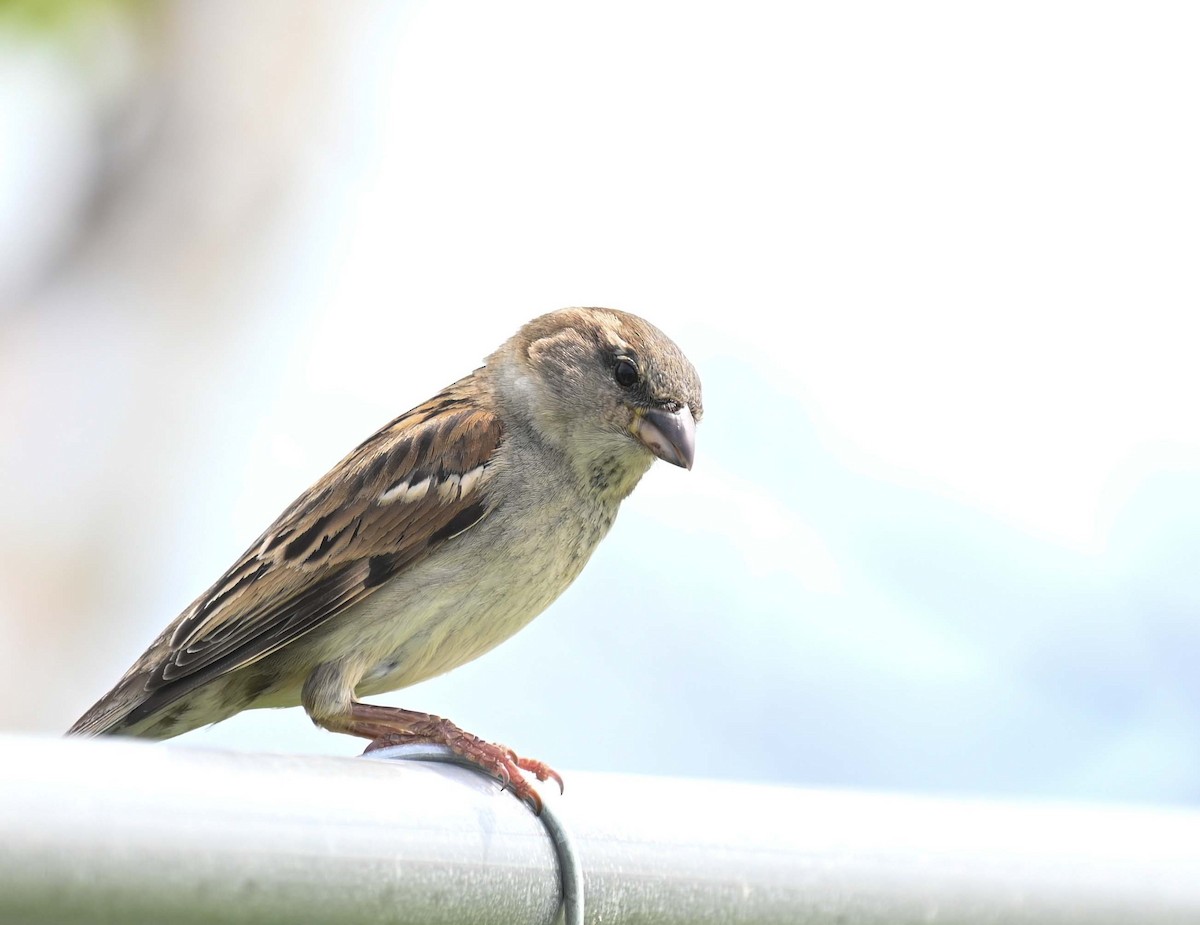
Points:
[(626, 373)]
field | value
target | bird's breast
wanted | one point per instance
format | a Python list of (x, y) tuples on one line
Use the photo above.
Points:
[(478, 589)]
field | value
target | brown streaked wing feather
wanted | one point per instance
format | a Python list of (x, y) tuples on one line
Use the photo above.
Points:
[(335, 545)]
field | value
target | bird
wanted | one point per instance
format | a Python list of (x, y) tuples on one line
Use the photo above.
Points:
[(434, 540)]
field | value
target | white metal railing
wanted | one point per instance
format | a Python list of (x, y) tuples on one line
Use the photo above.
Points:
[(131, 832)]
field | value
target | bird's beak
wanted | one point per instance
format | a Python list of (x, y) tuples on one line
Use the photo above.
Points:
[(671, 436)]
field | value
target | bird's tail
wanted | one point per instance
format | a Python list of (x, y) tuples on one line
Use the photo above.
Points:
[(100, 720), (110, 715)]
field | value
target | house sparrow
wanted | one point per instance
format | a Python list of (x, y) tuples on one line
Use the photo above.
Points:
[(436, 539)]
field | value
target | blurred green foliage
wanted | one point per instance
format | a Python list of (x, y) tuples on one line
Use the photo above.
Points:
[(57, 17)]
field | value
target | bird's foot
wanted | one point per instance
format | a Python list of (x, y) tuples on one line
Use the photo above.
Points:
[(501, 762)]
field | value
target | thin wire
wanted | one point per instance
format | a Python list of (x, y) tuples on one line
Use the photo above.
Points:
[(570, 871)]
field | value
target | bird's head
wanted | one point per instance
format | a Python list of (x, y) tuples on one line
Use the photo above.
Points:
[(607, 388)]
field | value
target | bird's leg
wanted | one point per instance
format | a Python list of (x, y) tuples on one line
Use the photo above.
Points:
[(386, 726)]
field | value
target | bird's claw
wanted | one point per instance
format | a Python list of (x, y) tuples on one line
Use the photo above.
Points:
[(499, 761), (539, 769)]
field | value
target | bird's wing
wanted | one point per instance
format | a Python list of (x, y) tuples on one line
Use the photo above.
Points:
[(419, 481)]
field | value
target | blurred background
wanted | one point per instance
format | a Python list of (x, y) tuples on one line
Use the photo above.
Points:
[(936, 264)]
